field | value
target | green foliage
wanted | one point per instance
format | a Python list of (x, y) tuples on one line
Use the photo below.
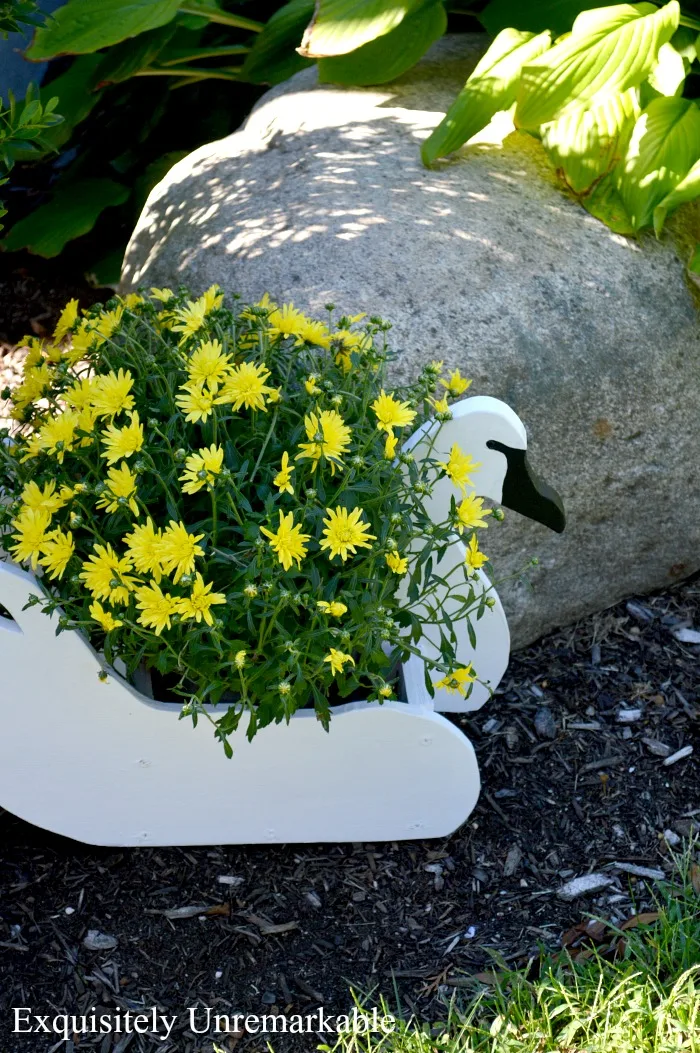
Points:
[(24, 128), (14, 14), (72, 211), (82, 26), (341, 26), (643, 999), (219, 496)]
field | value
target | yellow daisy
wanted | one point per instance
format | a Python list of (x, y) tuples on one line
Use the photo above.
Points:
[(202, 468), (397, 563), (31, 526), (144, 545), (197, 605), (66, 321), (457, 384), (107, 576), (332, 607), (338, 660), (208, 365), (196, 403), (391, 413), (458, 682), (344, 533), (287, 321), (157, 607), (104, 618), (120, 490), (287, 541), (57, 435), (33, 496), (57, 552), (246, 387), (283, 479), (458, 468), (122, 442), (474, 558), (179, 549), (111, 393), (329, 437), (470, 513)]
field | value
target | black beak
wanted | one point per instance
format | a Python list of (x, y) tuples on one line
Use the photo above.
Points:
[(523, 492)]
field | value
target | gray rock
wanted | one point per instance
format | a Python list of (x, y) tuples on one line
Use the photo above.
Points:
[(545, 724), (483, 262), (584, 886), (99, 941)]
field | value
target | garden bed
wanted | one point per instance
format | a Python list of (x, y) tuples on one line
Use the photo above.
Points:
[(295, 926)]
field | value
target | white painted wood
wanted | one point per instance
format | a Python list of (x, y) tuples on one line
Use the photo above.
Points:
[(475, 421), (96, 761), (100, 763)]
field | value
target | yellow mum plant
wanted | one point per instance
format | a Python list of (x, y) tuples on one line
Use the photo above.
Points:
[(217, 494)]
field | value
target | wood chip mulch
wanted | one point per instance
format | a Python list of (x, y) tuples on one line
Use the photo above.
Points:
[(572, 754)]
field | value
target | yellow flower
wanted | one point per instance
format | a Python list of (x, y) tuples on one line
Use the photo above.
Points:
[(313, 332), (34, 497), (283, 479), (397, 563), (311, 386), (132, 300), (239, 659), (190, 319), (104, 618), (35, 352), (349, 343), (87, 419), (337, 660), (344, 533), (457, 384), (179, 549), (110, 393), (441, 405), (79, 395), (334, 608), (470, 512), (329, 437), (57, 435), (246, 387), (251, 590), (385, 692), (162, 294), (458, 468), (390, 446), (208, 365), (287, 541), (144, 546), (31, 526), (197, 605), (68, 318), (458, 682), (157, 607), (274, 395), (106, 575), (201, 468), (120, 490), (391, 413), (123, 442), (57, 552), (473, 557), (287, 321), (81, 342), (196, 403), (106, 325)]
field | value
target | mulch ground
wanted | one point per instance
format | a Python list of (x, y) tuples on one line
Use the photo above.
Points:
[(294, 927)]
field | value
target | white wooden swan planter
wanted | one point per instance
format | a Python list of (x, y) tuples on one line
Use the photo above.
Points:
[(88, 757)]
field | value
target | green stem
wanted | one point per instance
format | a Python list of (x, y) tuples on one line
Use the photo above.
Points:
[(223, 18), (202, 53), (197, 73)]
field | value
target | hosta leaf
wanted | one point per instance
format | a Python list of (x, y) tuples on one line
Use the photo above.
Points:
[(556, 15), (340, 26), (387, 57), (131, 56), (586, 144), (668, 75), (609, 50), (687, 190), (273, 57), (604, 202), (664, 145), (72, 212), (81, 26), (491, 87)]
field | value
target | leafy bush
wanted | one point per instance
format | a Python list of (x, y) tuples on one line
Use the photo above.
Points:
[(219, 497)]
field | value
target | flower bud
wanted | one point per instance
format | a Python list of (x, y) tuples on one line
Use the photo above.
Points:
[(186, 579), (180, 455), (498, 514), (312, 494), (152, 422), (490, 602), (140, 466)]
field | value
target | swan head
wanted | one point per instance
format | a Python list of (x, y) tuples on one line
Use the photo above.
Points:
[(494, 436)]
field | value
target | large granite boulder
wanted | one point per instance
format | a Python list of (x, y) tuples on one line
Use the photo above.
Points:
[(485, 263)]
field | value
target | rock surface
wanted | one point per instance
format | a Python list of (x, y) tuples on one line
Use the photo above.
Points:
[(485, 263)]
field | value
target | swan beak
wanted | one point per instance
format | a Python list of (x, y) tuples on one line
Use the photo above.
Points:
[(525, 493)]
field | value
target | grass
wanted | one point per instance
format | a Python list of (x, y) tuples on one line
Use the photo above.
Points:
[(646, 999)]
